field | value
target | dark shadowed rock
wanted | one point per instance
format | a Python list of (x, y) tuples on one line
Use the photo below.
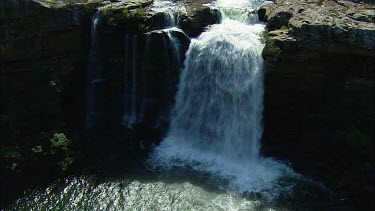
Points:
[(319, 85)]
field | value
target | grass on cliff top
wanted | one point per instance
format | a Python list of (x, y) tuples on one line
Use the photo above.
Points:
[(133, 19), (270, 51), (65, 3)]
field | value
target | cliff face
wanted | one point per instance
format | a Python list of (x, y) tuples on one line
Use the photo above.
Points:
[(42, 54), (42, 51), (41, 45), (319, 92), (46, 74), (32, 30)]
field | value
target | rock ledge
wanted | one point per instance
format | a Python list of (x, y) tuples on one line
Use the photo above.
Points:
[(311, 23)]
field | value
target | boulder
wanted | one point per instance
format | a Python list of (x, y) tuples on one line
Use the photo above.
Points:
[(199, 16)]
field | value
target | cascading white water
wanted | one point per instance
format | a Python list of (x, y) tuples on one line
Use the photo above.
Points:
[(171, 12), (216, 121), (219, 103), (244, 15)]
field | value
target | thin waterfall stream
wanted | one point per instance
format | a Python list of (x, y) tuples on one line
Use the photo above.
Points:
[(94, 73)]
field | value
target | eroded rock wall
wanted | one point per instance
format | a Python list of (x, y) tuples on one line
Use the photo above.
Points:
[(319, 93)]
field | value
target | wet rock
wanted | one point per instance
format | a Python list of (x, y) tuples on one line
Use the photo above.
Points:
[(199, 16)]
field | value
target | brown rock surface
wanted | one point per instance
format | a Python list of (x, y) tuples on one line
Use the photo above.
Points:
[(321, 21), (199, 16)]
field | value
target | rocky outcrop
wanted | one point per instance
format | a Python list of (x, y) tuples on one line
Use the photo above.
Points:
[(135, 71), (319, 115), (129, 15), (319, 85), (199, 16), (318, 23), (30, 29)]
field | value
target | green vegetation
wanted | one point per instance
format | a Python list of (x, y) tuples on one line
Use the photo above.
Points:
[(137, 16), (61, 146), (59, 142), (94, 1), (320, 3), (37, 149), (61, 3), (270, 50), (91, 5), (181, 12), (57, 85), (283, 27), (58, 151), (34, 132), (11, 158), (109, 14), (130, 19)]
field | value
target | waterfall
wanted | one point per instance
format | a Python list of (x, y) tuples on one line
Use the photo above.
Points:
[(174, 45), (243, 15), (169, 12), (166, 44), (130, 103), (94, 70), (219, 102), (216, 123), (134, 82), (142, 104)]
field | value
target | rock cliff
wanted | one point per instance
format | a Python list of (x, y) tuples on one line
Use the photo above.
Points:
[(319, 84), (321, 24), (45, 49)]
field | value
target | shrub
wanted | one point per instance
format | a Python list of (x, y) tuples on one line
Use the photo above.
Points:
[(61, 146), (59, 142), (270, 50), (109, 16), (61, 3), (37, 149), (136, 17), (56, 84), (11, 158)]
